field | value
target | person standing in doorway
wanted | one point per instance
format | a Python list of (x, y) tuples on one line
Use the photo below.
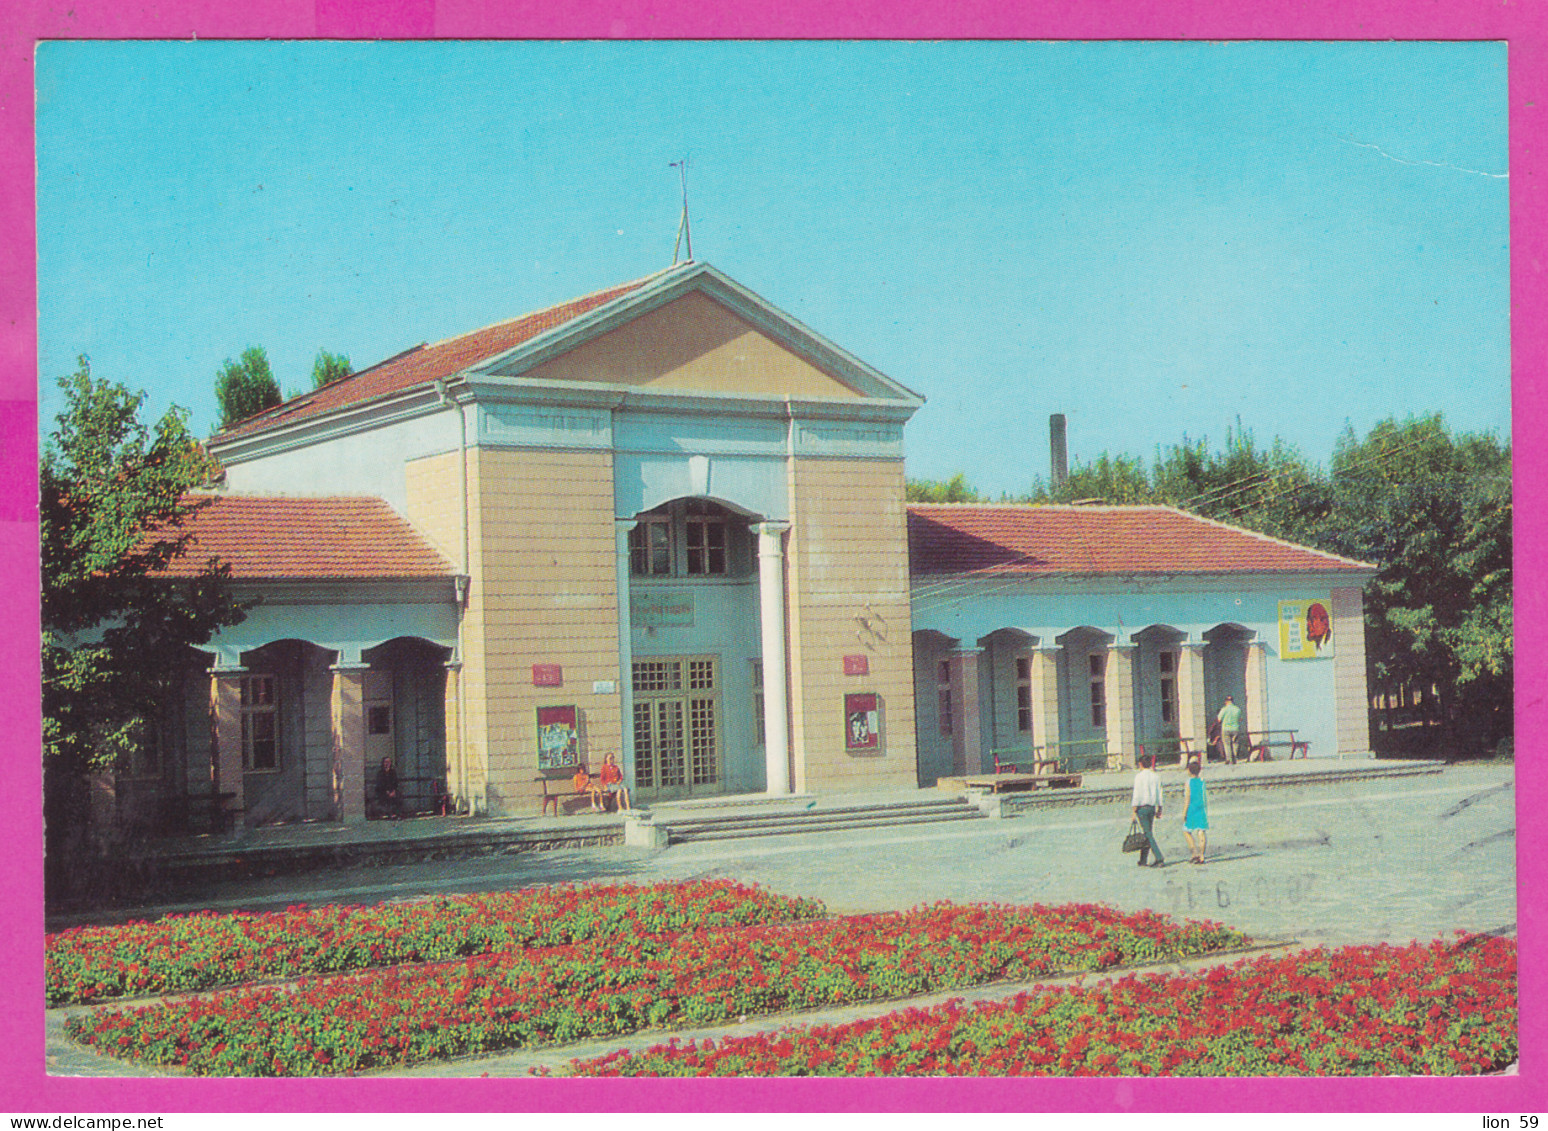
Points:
[(1196, 817), (1147, 807), (1230, 720)]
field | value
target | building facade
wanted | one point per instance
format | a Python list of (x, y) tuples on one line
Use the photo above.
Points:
[(665, 521)]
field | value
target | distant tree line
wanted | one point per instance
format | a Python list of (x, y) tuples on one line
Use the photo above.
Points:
[(1431, 510), (246, 386)]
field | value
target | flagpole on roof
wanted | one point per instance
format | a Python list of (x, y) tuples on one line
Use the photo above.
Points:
[(684, 232)]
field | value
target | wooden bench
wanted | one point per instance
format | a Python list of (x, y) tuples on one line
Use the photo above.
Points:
[(1011, 782), (559, 786), (1183, 749), (1260, 744)]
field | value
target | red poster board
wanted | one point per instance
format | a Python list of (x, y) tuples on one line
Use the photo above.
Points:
[(547, 675), (558, 738), (862, 721), (857, 665)]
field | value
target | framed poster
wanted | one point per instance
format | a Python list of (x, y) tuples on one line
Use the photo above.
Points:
[(558, 738), (1305, 629), (862, 721)]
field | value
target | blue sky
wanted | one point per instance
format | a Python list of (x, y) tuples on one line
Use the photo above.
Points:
[(1155, 239)]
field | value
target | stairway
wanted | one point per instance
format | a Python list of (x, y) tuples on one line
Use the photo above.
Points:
[(685, 825)]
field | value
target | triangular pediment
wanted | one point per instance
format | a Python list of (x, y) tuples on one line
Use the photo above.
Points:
[(694, 331)]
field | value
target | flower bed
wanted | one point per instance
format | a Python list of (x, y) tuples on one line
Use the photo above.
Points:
[(1427, 1010), (196, 952), (617, 985)]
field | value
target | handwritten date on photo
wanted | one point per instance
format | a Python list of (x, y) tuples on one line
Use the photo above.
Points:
[(1265, 891)]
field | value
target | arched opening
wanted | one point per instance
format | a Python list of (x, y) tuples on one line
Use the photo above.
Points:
[(284, 699), (696, 651), (1225, 672), (1084, 695), (1159, 706), (1007, 691), (404, 694)]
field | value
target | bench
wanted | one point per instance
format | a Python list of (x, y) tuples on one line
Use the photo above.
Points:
[(1183, 749), (409, 787), (1261, 743), (559, 786), (1011, 782)]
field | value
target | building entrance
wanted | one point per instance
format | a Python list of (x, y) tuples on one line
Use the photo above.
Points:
[(677, 749)]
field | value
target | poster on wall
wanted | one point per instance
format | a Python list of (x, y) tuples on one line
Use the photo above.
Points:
[(558, 738), (862, 721), (1306, 629)]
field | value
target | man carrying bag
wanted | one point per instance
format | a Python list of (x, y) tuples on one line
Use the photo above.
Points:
[(1147, 807)]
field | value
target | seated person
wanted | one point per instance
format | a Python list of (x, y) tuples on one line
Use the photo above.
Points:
[(612, 781), (585, 783), (389, 800)]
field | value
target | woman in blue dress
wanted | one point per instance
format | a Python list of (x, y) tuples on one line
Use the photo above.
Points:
[(1196, 818)]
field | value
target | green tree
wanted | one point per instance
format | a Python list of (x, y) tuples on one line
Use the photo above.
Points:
[(112, 499), (1433, 511), (955, 490), (245, 386), (328, 368)]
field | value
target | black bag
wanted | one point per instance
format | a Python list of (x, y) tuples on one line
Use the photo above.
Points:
[(1136, 840)]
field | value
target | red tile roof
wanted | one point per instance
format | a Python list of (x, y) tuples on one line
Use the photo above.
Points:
[(955, 538), (306, 539), (425, 363)]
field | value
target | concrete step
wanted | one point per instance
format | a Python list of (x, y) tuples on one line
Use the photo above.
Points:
[(833, 818)]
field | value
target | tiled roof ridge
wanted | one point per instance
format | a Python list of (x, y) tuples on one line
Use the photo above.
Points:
[(621, 289), (1267, 537), (599, 298)]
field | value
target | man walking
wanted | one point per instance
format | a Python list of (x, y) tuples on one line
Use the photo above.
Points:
[(1230, 720), (1147, 807)]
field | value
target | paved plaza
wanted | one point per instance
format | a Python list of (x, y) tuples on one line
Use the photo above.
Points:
[(1378, 860)]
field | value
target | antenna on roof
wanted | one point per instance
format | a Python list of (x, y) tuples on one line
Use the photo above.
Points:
[(684, 232)]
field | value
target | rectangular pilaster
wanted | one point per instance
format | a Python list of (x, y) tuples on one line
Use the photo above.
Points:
[(1045, 697), (1193, 715), (1349, 688), (1121, 731), (226, 704), (348, 714), (1257, 686)]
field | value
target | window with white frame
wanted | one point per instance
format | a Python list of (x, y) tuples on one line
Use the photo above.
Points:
[(1167, 663), (260, 724)]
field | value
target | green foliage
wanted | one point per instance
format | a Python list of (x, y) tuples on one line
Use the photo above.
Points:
[(245, 386), (1431, 510), (328, 368), (955, 490), (111, 631)]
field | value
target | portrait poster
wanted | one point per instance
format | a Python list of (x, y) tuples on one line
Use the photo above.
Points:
[(1306, 629), (558, 738)]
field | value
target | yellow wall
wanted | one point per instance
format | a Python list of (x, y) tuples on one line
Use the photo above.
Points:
[(544, 590), (848, 558), (696, 344)]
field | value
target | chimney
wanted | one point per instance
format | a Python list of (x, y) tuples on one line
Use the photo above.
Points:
[(1059, 455)]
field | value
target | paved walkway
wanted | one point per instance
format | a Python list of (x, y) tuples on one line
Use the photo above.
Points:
[(1380, 860)]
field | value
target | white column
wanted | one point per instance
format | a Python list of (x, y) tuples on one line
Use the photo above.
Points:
[(621, 528), (771, 604)]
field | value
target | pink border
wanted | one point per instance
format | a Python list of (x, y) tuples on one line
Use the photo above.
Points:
[(27, 1089)]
